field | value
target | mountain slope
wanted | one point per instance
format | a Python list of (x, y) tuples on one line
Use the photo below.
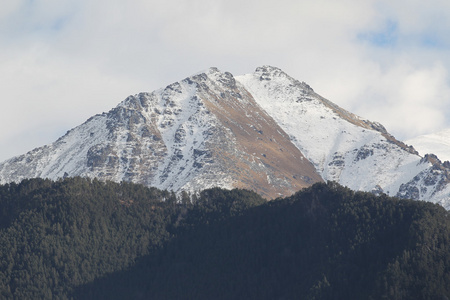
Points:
[(343, 147), (437, 143), (201, 132)]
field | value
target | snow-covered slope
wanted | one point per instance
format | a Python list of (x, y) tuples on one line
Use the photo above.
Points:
[(437, 143), (201, 132), (343, 147)]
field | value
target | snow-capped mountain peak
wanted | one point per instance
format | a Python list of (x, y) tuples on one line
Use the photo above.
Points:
[(263, 131)]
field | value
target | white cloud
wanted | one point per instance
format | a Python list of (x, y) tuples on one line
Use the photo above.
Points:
[(409, 100), (63, 61)]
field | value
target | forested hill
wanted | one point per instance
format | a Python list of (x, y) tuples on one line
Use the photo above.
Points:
[(86, 239), (55, 236)]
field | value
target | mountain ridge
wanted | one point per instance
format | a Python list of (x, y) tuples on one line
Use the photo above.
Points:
[(263, 131), (344, 147)]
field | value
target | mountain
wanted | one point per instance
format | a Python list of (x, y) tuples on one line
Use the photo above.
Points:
[(203, 131), (437, 143), (264, 131)]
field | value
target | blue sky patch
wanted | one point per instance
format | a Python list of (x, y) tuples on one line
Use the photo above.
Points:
[(432, 41), (386, 37)]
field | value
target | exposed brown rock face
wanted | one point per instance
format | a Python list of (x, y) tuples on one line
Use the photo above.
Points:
[(261, 157)]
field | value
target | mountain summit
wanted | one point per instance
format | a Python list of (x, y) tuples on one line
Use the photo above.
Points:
[(264, 131)]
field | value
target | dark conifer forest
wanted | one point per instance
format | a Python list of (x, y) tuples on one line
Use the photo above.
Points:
[(78, 238)]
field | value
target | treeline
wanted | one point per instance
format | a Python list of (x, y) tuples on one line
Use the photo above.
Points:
[(85, 239)]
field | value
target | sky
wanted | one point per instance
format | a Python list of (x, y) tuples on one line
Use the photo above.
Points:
[(63, 61)]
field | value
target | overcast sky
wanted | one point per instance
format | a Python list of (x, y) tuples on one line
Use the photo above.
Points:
[(62, 61)]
